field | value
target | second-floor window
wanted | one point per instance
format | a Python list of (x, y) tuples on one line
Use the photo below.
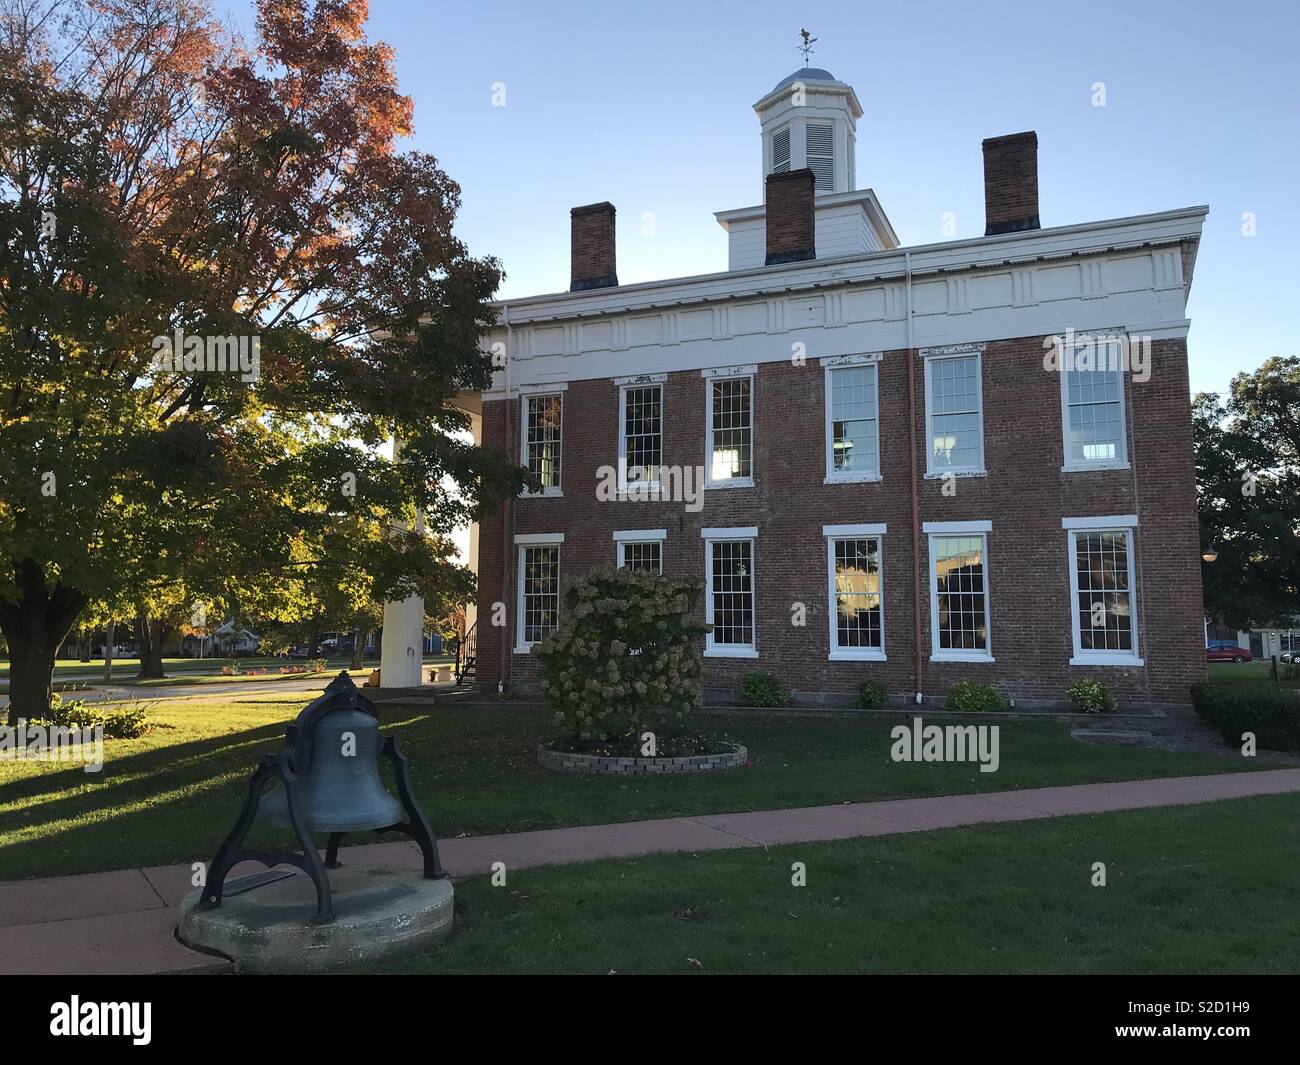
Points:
[(641, 433), (852, 422), (730, 417), (543, 419), (1093, 410), (954, 414)]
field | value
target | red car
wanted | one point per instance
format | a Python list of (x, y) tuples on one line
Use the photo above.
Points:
[(1226, 651)]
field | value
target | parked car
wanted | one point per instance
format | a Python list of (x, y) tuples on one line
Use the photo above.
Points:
[(1227, 651), (1291, 656)]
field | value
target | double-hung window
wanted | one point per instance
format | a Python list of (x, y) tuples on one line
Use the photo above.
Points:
[(729, 425), (640, 549), (538, 607), (954, 414), (959, 591), (857, 626), (729, 592), (640, 431), (1102, 590), (1092, 404), (541, 437), (852, 418)]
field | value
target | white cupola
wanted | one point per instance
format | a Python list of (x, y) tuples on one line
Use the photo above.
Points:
[(809, 119)]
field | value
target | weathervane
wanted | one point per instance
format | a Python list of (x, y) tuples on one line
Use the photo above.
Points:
[(807, 47)]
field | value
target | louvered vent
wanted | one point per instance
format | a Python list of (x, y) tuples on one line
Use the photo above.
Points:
[(781, 151), (821, 154)]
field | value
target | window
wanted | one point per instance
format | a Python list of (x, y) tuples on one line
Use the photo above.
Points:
[(729, 599), (959, 593), (640, 549), (729, 415), (641, 436), (543, 417), (856, 596), (539, 587), (781, 150), (819, 152), (852, 420), (954, 414), (1102, 590), (1092, 398)]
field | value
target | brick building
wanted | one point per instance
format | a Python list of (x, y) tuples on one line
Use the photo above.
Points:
[(965, 460)]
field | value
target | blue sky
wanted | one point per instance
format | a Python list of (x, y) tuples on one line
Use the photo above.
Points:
[(649, 105)]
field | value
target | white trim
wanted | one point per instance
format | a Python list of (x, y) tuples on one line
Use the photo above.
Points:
[(1110, 521), (845, 531), (728, 482), (730, 371), (711, 537), (1066, 354), (953, 351), (834, 476), (834, 362), (956, 528), (1126, 524), (644, 381), (639, 535), (536, 392), (836, 653), (949, 654), (641, 379), (524, 542), (532, 539), (541, 388)]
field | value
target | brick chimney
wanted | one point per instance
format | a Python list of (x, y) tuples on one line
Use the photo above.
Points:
[(1011, 183), (791, 218), (591, 248)]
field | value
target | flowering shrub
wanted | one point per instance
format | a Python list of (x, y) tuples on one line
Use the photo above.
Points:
[(623, 659), (1091, 696)]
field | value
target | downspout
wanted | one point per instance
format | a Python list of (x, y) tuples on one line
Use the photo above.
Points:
[(916, 517), (504, 660)]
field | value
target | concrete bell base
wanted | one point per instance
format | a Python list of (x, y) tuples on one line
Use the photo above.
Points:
[(378, 913)]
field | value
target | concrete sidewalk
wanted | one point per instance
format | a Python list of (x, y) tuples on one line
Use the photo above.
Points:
[(122, 922)]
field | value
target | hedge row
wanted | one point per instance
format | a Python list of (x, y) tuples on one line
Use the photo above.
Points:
[(1272, 714)]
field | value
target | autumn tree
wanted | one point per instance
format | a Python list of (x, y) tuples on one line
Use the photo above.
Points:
[(164, 182)]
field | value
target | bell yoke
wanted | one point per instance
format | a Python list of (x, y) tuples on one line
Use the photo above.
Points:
[(328, 771)]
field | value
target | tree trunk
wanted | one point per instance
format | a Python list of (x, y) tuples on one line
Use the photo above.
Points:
[(358, 650), (149, 636), (84, 648), (108, 651), (35, 623)]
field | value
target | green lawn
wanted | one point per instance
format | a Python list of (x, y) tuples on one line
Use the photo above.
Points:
[(1250, 672), (1192, 889), (170, 796), (125, 669)]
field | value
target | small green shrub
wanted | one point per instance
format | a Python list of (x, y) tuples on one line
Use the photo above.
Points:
[(1091, 696), (972, 697), (763, 689), (1231, 708), (873, 695), (123, 724)]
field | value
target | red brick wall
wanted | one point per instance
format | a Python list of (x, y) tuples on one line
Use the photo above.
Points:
[(591, 247), (1025, 496), (1011, 183)]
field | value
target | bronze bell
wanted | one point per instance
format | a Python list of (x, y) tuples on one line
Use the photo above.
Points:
[(341, 790)]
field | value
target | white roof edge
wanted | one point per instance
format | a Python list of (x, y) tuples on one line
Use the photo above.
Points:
[(1164, 227)]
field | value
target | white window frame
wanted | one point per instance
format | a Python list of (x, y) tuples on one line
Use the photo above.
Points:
[(713, 649), (938, 529), (1069, 465), (829, 366), (942, 354), (623, 537), (834, 533), (1126, 523), (649, 380), (555, 491), (730, 372), (523, 541)]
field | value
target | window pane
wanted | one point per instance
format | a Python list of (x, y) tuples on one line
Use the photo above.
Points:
[(854, 419), (1093, 404), (733, 592), (1105, 600), (643, 432), (954, 413), (731, 429), (647, 556), (544, 438), (857, 593), (959, 582), (541, 583)]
